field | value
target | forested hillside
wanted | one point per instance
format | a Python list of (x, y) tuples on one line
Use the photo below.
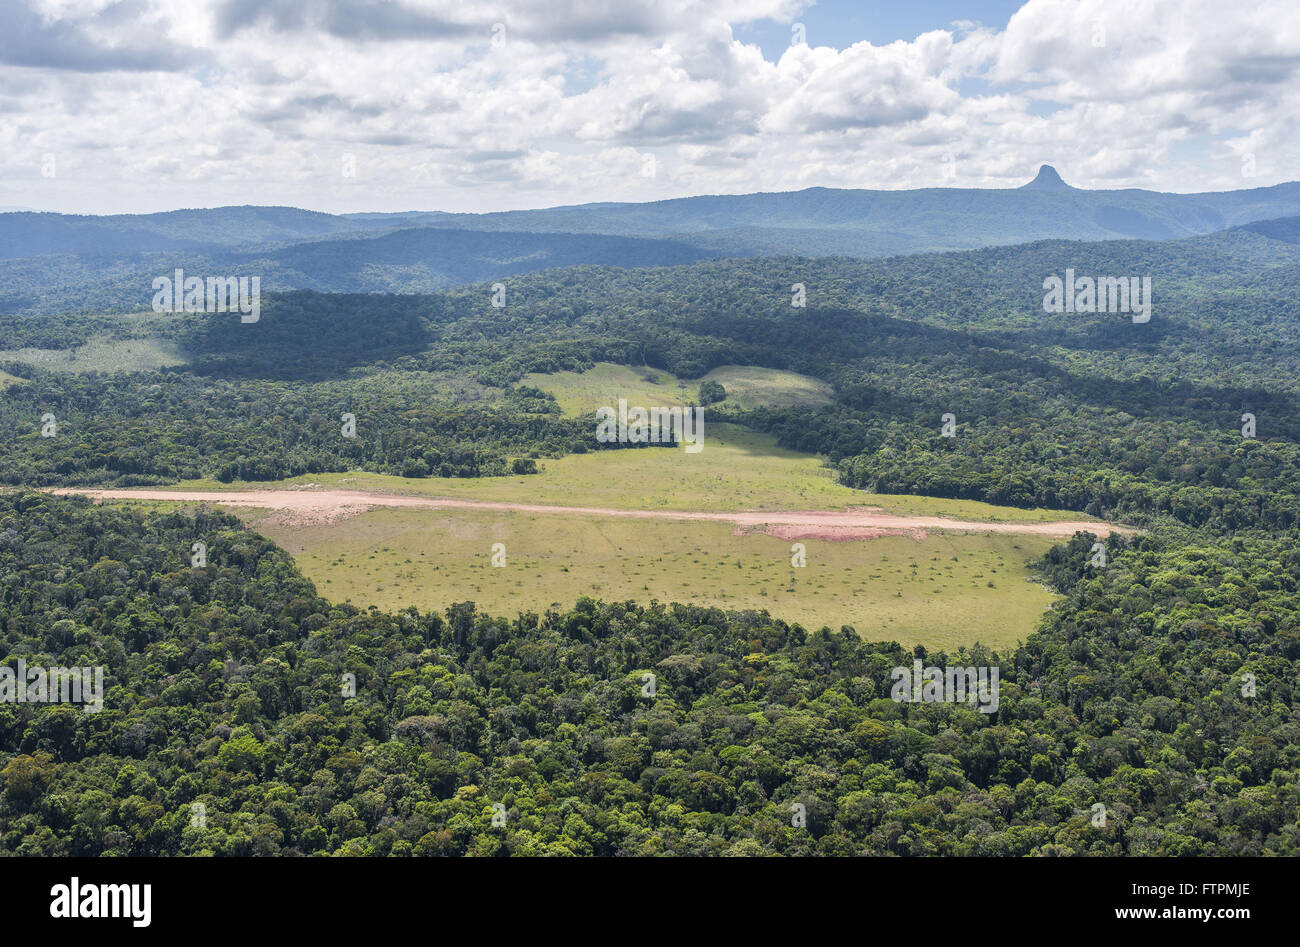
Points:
[(24, 234)]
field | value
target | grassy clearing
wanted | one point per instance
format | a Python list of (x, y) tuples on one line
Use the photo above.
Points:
[(579, 392), (751, 387), (947, 590), (6, 380), (103, 355), (942, 592), (738, 469), (747, 387)]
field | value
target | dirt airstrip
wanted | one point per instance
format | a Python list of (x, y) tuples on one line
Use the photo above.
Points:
[(309, 507)]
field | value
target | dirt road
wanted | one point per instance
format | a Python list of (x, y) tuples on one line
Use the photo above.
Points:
[(308, 507)]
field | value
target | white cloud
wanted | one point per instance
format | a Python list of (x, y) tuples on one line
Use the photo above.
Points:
[(148, 104)]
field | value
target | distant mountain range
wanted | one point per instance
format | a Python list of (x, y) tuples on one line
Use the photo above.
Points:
[(824, 221), (54, 262)]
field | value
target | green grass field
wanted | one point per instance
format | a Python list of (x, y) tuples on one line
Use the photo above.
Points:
[(945, 591), (737, 470), (751, 387), (103, 355), (747, 387), (579, 392)]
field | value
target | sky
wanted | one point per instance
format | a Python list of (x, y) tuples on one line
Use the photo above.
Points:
[(136, 106)]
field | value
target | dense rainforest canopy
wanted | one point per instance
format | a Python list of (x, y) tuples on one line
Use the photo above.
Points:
[(226, 689)]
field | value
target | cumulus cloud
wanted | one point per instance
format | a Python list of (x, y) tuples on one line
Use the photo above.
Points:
[(119, 105), (97, 40)]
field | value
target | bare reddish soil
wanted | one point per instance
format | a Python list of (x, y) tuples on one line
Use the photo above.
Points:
[(308, 507)]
